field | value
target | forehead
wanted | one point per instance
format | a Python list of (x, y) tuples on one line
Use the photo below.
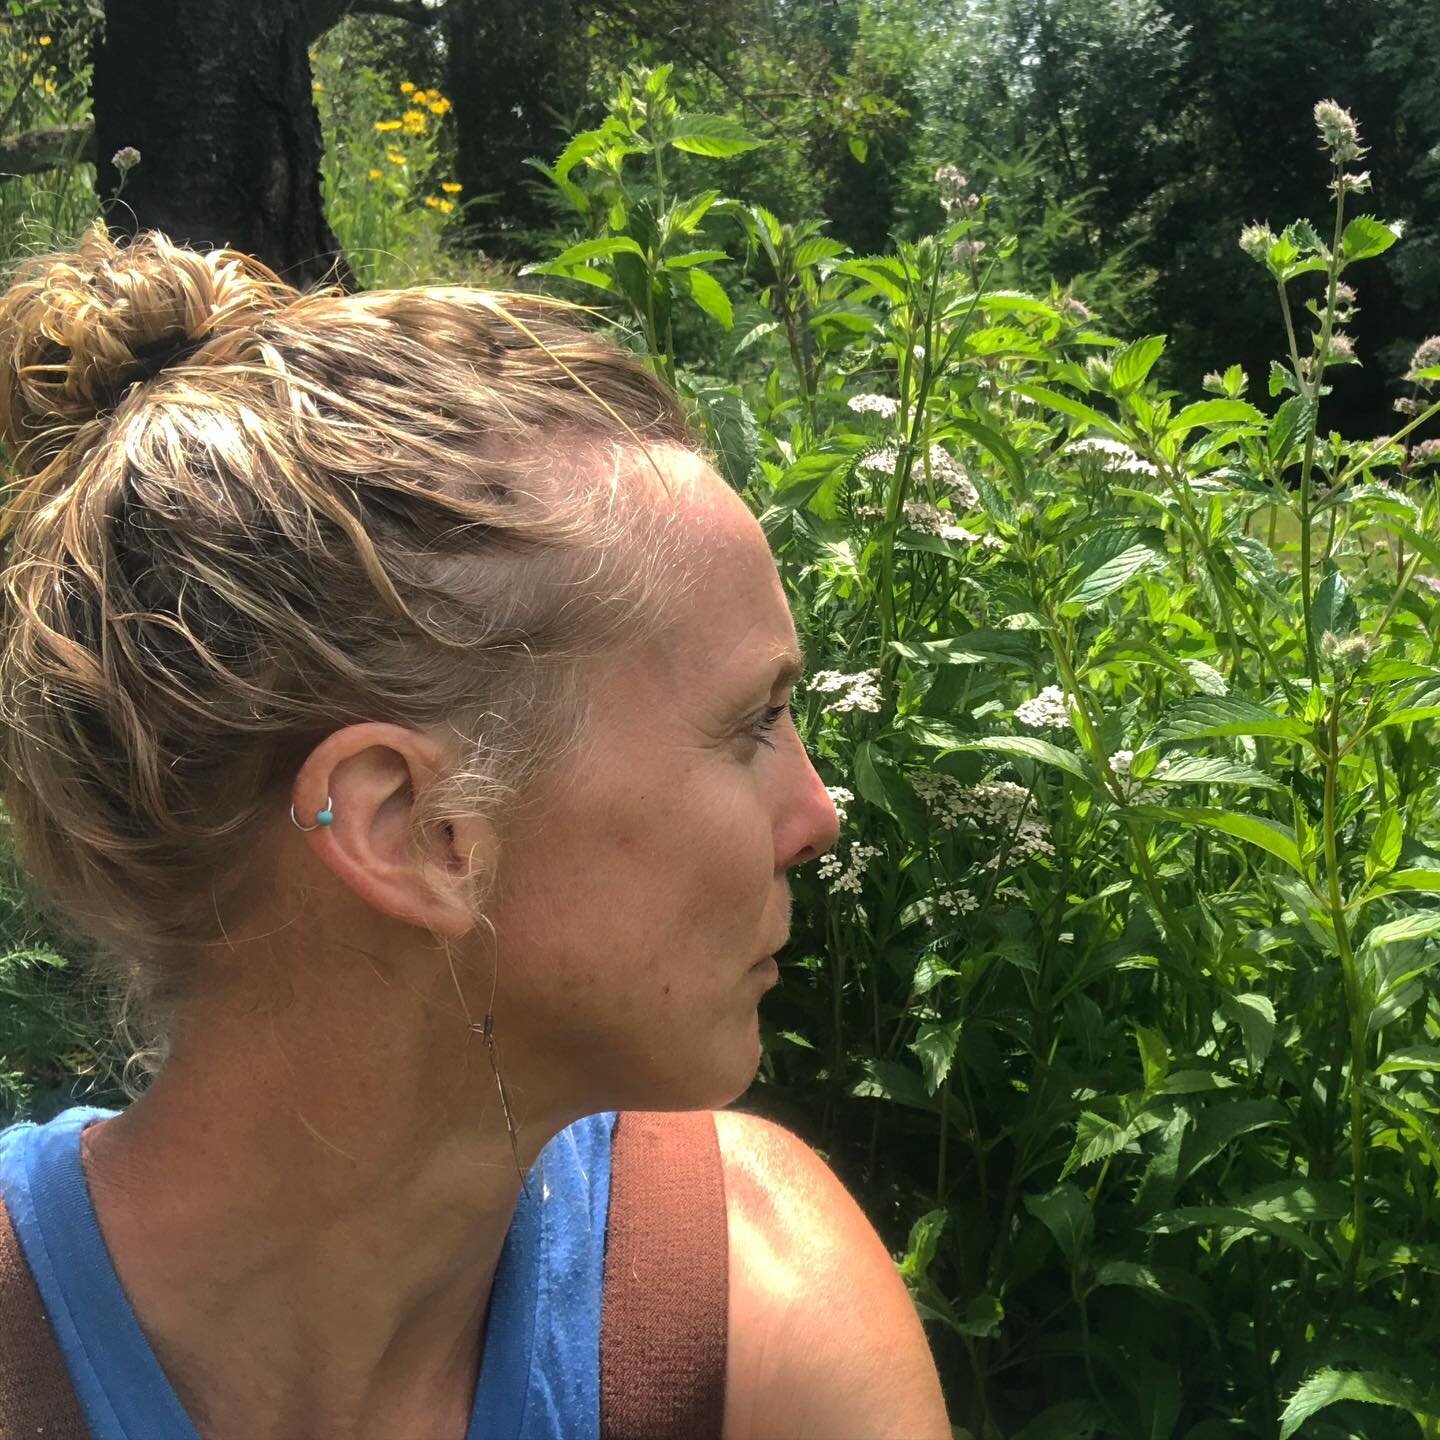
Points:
[(727, 612)]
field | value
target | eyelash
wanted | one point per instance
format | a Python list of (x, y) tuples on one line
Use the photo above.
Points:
[(761, 727)]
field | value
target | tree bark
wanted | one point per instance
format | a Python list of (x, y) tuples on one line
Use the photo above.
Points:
[(215, 95), (513, 64)]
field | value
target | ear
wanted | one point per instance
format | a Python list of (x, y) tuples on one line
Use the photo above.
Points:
[(371, 775)]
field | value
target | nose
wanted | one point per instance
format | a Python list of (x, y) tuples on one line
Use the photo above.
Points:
[(811, 825)]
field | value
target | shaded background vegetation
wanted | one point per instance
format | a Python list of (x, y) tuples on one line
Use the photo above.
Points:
[(1126, 1030)]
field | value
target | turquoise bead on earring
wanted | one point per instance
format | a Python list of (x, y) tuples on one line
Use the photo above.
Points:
[(324, 817)]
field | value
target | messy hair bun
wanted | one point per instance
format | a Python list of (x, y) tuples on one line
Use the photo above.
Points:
[(76, 332), (402, 506)]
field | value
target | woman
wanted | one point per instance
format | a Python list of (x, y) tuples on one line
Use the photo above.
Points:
[(374, 664)]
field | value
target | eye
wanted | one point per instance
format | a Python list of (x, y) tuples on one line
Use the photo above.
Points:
[(761, 726)]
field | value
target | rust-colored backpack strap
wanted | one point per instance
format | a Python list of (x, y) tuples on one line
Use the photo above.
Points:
[(37, 1401), (664, 1320)]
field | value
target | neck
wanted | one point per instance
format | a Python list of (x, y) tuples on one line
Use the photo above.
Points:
[(308, 1225)]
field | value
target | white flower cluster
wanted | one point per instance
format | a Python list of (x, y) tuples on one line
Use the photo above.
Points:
[(996, 805), (860, 692), (847, 877), (1049, 710), (945, 470), (948, 474), (1429, 582), (1113, 455), (874, 405), (957, 902), (931, 520), (1130, 787), (840, 797)]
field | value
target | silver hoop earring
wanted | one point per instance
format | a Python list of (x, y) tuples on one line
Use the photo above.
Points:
[(322, 818)]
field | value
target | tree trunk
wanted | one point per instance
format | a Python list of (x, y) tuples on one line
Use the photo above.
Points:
[(215, 95), (515, 67)]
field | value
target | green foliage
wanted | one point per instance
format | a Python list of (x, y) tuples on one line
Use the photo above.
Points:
[(1118, 994), (44, 87), (386, 176)]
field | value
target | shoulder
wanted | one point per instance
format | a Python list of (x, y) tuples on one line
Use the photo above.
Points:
[(824, 1338)]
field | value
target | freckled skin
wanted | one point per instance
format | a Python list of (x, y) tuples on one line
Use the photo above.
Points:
[(642, 890)]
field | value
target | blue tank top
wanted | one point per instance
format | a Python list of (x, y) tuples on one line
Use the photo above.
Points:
[(540, 1370)]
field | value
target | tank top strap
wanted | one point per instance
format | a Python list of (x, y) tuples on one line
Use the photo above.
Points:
[(665, 1318)]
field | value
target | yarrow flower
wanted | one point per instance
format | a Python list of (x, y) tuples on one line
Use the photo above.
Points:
[(957, 902), (127, 157), (874, 405), (1113, 455), (1049, 710), (1427, 452), (1000, 807), (856, 692), (1430, 582), (847, 877), (947, 472), (931, 520), (1133, 789), (840, 797)]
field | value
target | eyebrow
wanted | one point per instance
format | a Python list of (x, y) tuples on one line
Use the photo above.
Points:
[(792, 666)]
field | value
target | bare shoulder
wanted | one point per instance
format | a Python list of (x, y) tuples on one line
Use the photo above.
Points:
[(824, 1339)]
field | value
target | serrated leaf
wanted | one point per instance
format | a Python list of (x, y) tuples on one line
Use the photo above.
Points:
[(1032, 749), (1268, 835), (1385, 842), (1364, 237), (1207, 679), (1219, 1126), (1132, 363), (707, 292), (1065, 1213), (1213, 716), (1329, 1387), (1289, 422), (717, 136), (1110, 576), (1215, 412), (935, 1045), (1410, 1057), (1209, 770), (1255, 1015)]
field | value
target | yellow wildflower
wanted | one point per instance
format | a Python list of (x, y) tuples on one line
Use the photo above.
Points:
[(46, 40), (445, 206), (383, 125), (24, 57), (395, 157), (451, 187), (440, 106), (432, 202), (49, 87), (374, 174), (429, 96), (317, 88), (414, 122), (407, 87)]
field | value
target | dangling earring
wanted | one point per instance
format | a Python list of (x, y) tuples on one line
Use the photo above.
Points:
[(486, 1030)]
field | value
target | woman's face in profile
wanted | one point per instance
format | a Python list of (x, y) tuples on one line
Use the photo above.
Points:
[(639, 889)]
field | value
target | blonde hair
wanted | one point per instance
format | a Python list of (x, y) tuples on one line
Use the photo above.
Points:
[(244, 516)]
